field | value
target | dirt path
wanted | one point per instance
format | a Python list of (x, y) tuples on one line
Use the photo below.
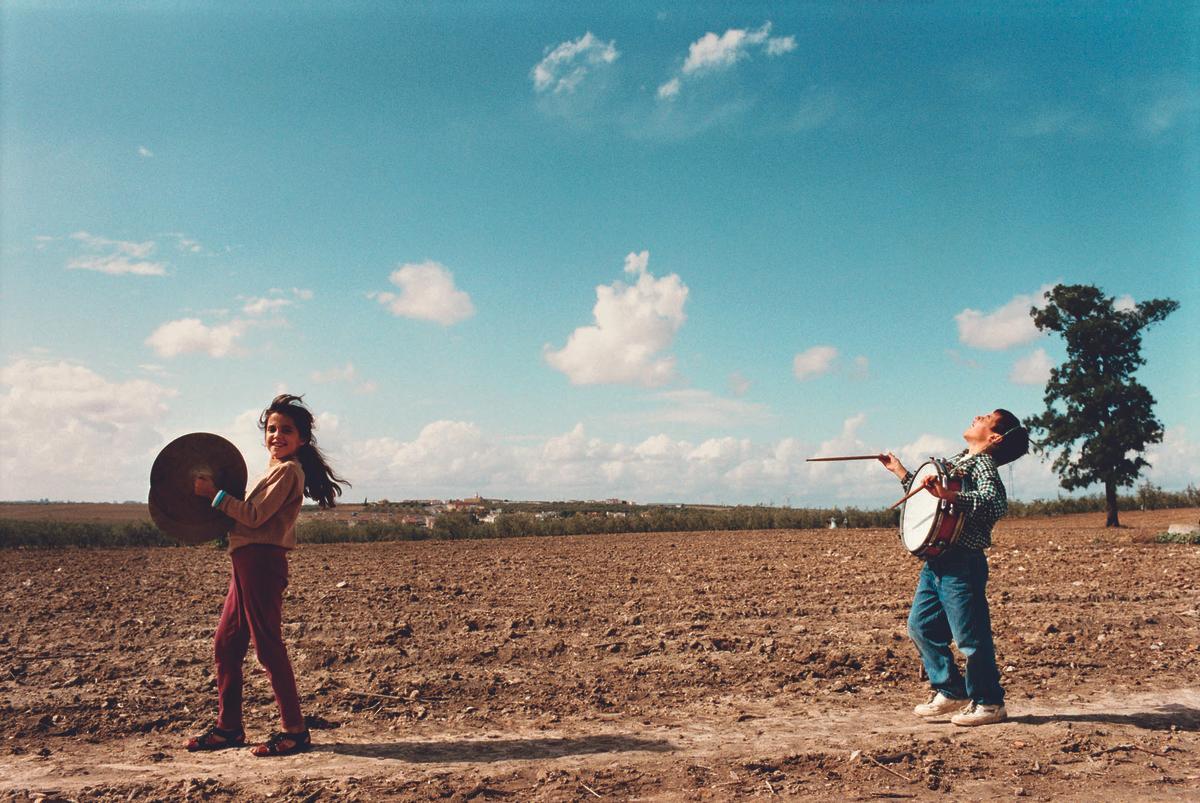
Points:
[(723, 746)]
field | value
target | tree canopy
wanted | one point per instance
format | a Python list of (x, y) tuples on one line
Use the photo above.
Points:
[(1098, 419)]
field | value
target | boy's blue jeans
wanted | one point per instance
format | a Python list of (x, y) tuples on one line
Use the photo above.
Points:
[(950, 604)]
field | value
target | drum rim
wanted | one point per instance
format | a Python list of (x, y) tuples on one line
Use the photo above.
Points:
[(938, 512)]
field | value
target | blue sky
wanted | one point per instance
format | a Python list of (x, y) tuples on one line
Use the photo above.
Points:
[(566, 251)]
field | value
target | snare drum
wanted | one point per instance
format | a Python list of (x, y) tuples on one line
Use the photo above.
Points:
[(929, 525)]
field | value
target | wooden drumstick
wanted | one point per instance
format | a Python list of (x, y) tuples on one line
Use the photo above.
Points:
[(845, 457), (908, 496)]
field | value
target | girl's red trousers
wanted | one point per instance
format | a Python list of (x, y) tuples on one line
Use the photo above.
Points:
[(254, 611)]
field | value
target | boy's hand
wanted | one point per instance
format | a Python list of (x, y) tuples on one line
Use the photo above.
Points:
[(937, 489), (202, 485), (893, 464)]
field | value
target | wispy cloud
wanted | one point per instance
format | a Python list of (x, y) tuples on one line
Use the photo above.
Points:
[(115, 257), (145, 152), (262, 306), (818, 106), (345, 374), (1169, 107), (860, 368), (275, 301), (1056, 122), (961, 361), (698, 407), (185, 243), (568, 64), (633, 326), (427, 293)]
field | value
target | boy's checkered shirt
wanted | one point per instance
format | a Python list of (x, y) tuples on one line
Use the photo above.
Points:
[(982, 499)]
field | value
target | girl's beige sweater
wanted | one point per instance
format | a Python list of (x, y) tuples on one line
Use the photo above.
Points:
[(269, 512)]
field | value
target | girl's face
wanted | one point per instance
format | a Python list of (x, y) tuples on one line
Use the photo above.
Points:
[(281, 437)]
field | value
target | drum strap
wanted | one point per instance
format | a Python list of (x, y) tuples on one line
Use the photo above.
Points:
[(959, 464)]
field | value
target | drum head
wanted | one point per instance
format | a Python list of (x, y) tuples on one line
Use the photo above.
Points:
[(919, 515), (174, 506)]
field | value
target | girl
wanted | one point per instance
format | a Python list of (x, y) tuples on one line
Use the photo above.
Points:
[(263, 532)]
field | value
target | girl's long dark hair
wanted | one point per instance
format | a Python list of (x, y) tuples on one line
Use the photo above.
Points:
[(320, 483)]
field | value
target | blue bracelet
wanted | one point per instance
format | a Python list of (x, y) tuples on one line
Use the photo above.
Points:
[(216, 502)]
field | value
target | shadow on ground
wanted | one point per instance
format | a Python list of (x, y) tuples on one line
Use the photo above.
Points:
[(496, 749), (1163, 718)]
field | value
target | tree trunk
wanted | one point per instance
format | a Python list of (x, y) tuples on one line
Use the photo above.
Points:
[(1110, 504)]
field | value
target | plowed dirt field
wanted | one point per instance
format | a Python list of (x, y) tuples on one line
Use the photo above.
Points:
[(679, 666)]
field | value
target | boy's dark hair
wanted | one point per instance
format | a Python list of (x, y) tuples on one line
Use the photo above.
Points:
[(1014, 438), (320, 483)]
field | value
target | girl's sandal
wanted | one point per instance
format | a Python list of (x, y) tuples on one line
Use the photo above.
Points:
[(216, 739), (283, 744)]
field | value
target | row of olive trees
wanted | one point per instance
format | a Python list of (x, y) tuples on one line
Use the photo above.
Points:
[(662, 519)]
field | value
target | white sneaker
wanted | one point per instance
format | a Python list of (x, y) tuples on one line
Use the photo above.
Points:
[(980, 714), (939, 705)]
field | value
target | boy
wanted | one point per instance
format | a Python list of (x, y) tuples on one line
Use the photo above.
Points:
[(950, 601)]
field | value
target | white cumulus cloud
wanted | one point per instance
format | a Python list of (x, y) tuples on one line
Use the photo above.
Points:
[(70, 433), (1032, 369), (458, 458), (427, 293), (1176, 461), (716, 52), (633, 325), (566, 65), (814, 362), (446, 458), (191, 335), (1007, 326), (713, 52)]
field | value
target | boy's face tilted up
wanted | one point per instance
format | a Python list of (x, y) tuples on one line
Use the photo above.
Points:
[(982, 432)]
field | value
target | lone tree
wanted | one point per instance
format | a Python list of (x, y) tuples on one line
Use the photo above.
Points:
[(1092, 399)]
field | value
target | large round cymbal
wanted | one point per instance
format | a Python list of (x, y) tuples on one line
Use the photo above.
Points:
[(174, 506)]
